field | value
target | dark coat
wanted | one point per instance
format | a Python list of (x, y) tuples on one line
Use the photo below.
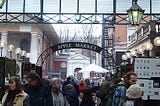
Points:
[(70, 82), (72, 97), (39, 96), (87, 103)]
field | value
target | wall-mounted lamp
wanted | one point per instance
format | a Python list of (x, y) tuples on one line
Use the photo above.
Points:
[(148, 46), (2, 45), (135, 13), (128, 54), (140, 50), (157, 41), (28, 55), (10, 49), (124, 57), (23, 53), (134, 53)]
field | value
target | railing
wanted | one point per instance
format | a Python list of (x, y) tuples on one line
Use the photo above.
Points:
[(140, 33)]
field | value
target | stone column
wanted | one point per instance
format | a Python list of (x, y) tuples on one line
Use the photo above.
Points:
[(34, 47), (4, 39)]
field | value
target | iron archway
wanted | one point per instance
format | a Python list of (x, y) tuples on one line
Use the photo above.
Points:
[(66, 45)]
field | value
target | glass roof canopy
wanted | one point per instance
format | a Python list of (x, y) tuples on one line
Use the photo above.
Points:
[(65, 11)]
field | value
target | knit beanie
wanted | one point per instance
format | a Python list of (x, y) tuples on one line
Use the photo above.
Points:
[(134, 92)]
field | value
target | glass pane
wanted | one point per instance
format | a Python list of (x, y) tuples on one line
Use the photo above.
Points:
[(105, 6), (32, 6), (15, 5), (69, 6), (155, 6), (51, 6)]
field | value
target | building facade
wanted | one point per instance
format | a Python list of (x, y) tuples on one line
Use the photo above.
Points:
[(31, 38), (76, 62)]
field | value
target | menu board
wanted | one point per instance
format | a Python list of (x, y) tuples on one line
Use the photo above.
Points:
[(147, 67)]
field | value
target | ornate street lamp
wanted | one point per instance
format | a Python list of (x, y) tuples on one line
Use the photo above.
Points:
[(10, 49), (23, 54), (18, 52), (2, 45), (135, 13)]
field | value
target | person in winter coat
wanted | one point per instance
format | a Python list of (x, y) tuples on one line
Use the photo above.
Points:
[(71, 95), (133, 96), (39, 93), (58, 98), (81, 85), (14, 95), (71, 81), (87, 98), (105, 88), (129, 79)]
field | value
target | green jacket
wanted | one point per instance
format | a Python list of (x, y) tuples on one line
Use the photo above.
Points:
[(105, 87)]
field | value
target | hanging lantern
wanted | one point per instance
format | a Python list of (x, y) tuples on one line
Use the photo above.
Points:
[(1, 3), (135, 13)]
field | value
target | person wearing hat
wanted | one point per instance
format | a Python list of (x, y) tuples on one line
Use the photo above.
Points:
[(133, 96), (120, 93)]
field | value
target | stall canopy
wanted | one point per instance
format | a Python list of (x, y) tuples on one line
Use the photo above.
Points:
[(93, 67)]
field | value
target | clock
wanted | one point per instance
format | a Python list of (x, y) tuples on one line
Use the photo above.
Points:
[(63, 65)]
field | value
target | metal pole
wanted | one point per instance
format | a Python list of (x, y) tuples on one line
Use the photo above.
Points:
[(1, 51)]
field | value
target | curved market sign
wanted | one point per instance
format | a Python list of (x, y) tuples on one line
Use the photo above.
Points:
[(82, 45), (67, 45)]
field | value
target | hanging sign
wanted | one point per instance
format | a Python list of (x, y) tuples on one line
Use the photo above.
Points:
[(82, 45)]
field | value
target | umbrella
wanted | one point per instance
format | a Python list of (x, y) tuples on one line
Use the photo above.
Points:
[(95, 68)]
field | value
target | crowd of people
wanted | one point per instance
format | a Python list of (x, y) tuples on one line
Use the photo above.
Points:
[(44, 92)]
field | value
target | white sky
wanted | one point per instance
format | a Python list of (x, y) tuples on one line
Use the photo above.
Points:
[(77, 28)]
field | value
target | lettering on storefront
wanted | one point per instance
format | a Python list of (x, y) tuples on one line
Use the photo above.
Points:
[(82, 45)]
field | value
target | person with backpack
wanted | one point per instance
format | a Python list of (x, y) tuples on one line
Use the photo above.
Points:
[(105, 89), (71, 81), (133, 96), (71, 95), (120, 93)]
